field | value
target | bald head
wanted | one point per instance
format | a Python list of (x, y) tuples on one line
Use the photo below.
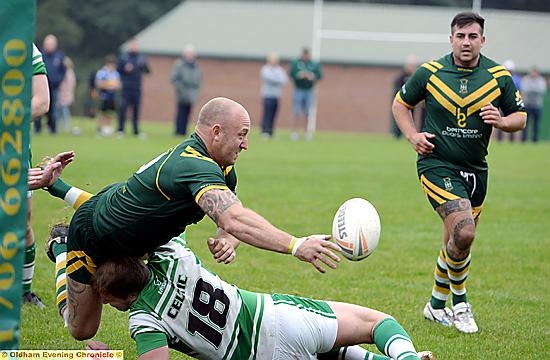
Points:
[(218, 111), (223, 125), (50, 43), (132, 45), (189, 53)]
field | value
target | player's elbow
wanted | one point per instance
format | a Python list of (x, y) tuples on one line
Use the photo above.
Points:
[(230, 221), (523, 122), (41, 107), (82, 333)]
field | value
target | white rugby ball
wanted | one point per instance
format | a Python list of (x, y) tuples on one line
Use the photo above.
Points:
[(356, 228)]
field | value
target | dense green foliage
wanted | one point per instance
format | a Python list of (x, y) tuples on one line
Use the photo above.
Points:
[(298, 186)]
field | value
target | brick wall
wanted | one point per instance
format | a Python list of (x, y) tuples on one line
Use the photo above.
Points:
[(350, 98)]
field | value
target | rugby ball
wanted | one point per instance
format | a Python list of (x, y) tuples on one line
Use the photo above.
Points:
[(356, 229)]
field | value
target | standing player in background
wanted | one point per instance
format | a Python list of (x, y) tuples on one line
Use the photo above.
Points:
[(305, 73), (176, 189), (464, 93), (175, 302), (38, 177), (40, 103)]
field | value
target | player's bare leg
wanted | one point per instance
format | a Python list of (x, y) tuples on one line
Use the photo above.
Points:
[(460, 229), (360, 325), (29, 297)]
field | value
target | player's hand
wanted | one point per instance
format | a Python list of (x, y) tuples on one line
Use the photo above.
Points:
[(491, 115), (65, 158), (317, 250), (49, 171), (222, 249), (96, 345), (421, 143)]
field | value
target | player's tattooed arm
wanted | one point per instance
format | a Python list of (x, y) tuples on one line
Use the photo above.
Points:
[(216, 201), (453, 206)]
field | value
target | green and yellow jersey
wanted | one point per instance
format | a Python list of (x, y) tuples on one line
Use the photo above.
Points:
[(454, 97), (159, 200)]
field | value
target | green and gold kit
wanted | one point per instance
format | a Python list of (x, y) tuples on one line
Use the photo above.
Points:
[(156, 203), (454, 97)]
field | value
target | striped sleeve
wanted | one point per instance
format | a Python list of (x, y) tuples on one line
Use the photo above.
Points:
[(148, 341), (38, 66)]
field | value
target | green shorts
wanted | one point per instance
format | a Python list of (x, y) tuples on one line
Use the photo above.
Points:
[(442, 184), (85, 251)]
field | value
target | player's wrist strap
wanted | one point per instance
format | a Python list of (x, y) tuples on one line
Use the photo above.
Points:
[(58, 189), (295, 243)]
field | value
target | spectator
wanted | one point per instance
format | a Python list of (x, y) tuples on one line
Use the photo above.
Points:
[(273, 78), (511, 67), (107, 81), (408, 69), (187, 79), (533, 90), (55, 66), (131, 65), (66, 96), (305, 73)]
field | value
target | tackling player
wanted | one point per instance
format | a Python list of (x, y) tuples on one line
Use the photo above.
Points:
[(466, 96), (175, 189)]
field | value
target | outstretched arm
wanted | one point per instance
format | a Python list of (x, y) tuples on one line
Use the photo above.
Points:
[(49, 172), (70, 194), (226, 210)]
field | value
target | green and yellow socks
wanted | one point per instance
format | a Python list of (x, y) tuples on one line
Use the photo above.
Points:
[(60, 253), (450, 277)]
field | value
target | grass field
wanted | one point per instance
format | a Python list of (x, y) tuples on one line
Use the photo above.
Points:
[(298, 186)]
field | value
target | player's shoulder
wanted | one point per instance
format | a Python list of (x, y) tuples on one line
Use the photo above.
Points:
[(493, 67), (38, 65), (193, 153), (35, 51), (433, 66)]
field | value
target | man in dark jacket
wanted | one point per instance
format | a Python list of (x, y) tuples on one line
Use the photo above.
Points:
[(131, 65), (53, 59)]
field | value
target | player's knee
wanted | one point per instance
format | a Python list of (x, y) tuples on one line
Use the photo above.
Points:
[(464, 237)]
